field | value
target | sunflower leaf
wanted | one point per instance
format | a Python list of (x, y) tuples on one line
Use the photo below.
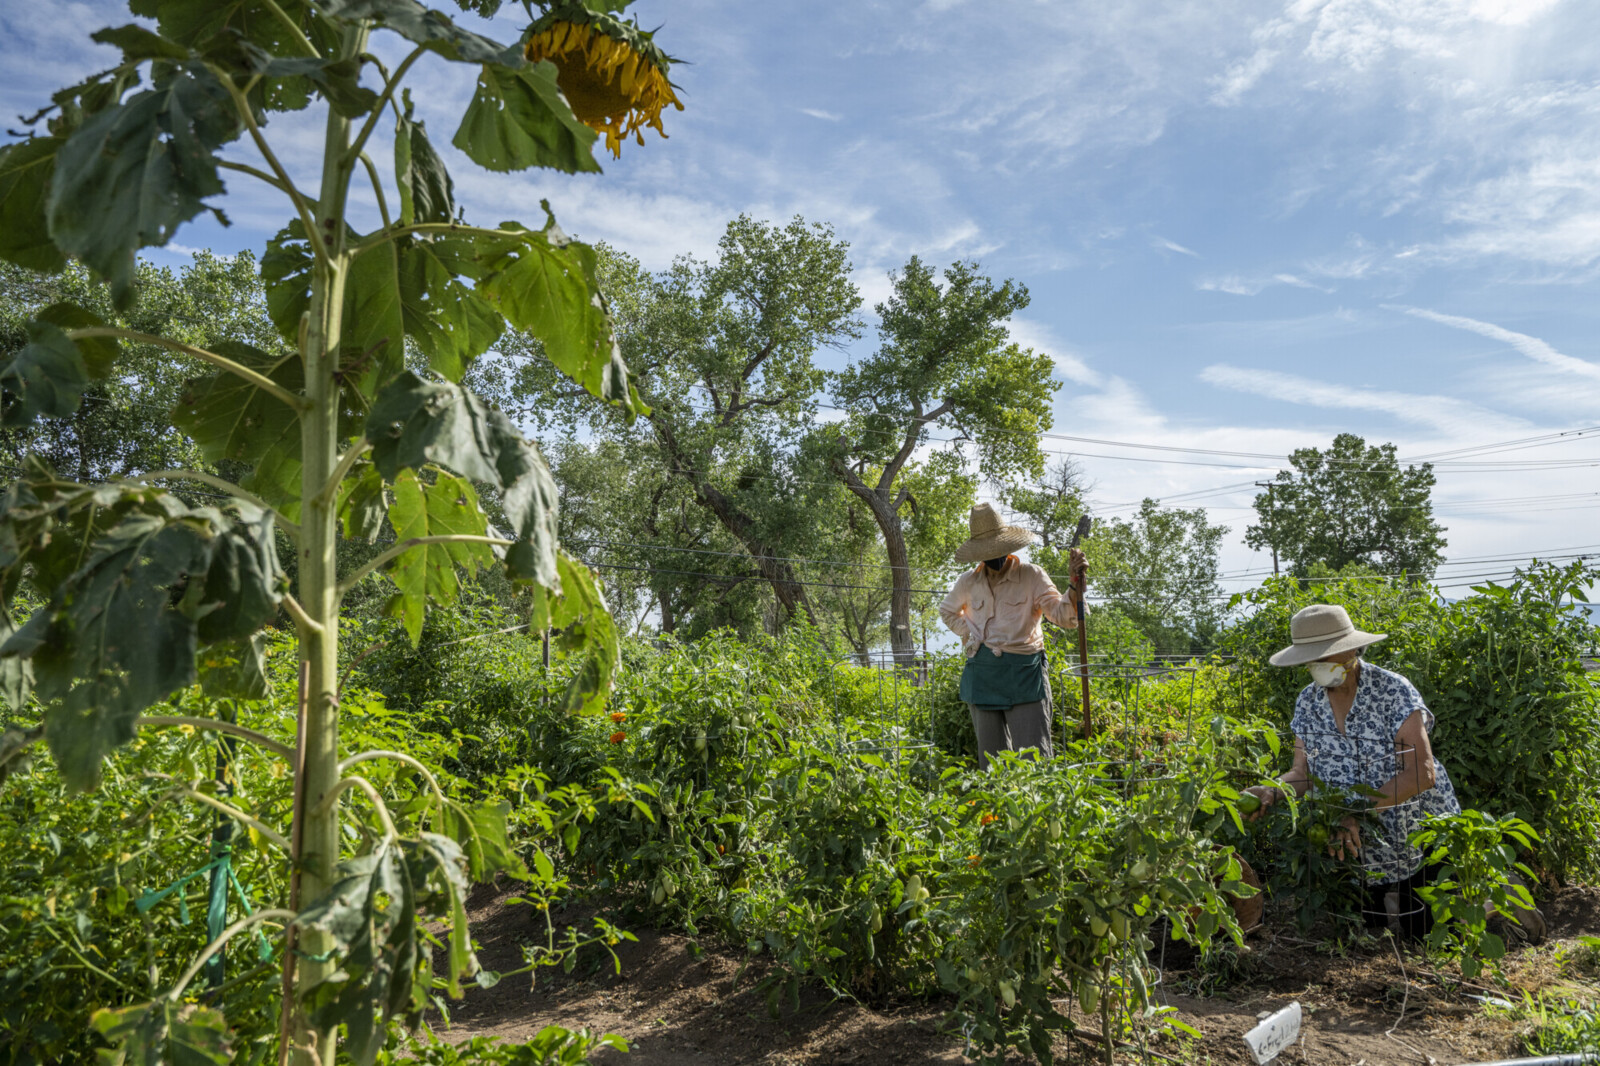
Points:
[(518, 119), (26, 170), (449, 322), (47, 377), (428, 28), (133, 173), (426, 192), (548, 285), (427, 572), (152, 1034), (415, 422)]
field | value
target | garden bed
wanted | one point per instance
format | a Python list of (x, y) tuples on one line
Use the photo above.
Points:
[(678, 1002)]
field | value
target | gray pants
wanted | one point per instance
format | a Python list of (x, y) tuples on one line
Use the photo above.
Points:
[(1026, 725)]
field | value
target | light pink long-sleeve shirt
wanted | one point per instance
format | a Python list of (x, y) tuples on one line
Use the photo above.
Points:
[(1003, 611)]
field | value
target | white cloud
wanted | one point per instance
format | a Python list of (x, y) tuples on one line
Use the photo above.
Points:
[(817, 112), (1531, 347), (1443, 413), (1173, 246), (1232, 284)]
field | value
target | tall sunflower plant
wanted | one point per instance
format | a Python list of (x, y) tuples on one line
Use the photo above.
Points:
[(357, 424)]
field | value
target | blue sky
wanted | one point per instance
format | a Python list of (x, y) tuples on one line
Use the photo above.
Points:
[(1246, 226)]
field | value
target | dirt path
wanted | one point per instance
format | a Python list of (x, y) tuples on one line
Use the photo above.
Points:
[(678, 1007)]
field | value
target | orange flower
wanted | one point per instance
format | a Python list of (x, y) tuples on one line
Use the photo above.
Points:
[(618, 737), (618, 717), (974, 860), (987, 818)]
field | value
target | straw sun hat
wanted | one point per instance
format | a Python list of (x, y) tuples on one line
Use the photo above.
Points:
[(1319, 631), (990, 538)]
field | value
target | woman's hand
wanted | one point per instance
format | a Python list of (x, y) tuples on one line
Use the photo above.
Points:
[(1346, 839), (1266, 794), (1077, 570)]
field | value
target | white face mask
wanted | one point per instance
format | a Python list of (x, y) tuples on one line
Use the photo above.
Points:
[(1328, 675)]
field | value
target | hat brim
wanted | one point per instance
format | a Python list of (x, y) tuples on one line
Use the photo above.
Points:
[(1002, 541), (1300, 654)]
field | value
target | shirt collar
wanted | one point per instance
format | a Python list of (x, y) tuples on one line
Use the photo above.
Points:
[(1008, 572)]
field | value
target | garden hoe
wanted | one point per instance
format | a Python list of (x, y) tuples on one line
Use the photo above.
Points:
[(1083, 629)]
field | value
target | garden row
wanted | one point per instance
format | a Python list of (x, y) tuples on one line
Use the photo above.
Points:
[(772, 798)]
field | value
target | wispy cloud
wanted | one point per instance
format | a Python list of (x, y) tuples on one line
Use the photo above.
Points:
[(817, 112), (1532, 347), (1172, 246), (1444, 413)]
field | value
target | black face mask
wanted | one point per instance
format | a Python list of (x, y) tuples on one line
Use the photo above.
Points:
[(995, 564)]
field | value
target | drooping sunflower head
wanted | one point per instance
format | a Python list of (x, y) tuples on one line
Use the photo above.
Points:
[(612, 73)]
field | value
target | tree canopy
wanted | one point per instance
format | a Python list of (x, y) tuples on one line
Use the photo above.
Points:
[(1350, 503)]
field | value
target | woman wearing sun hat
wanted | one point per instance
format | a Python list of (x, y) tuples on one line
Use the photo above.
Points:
[(996, 609), (1359, 724)]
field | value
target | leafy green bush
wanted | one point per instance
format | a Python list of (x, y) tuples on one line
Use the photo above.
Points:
[(1518, 720), (1478, 854)]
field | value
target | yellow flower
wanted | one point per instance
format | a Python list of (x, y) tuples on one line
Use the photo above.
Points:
[(612, 74), (186, 729)]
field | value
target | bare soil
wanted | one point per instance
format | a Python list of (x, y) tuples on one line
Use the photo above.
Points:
[(678, 1003)]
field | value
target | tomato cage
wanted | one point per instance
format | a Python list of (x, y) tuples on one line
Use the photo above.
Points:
[(1353, 805)]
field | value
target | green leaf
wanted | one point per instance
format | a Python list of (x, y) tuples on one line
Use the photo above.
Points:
[(481, 832), (126, 570), (26, 170), (337, 80), (363, 504), (135, 172), (371, 347), (371, 914), (518, 119), (413, 423), (448, 322), (244, 584), (426, 192), (234, 420), (47, 377), (164, 1033), (548, 285), (584, 625), (138, 43), (99, 353), (245, 35), (236, 670), (421, 25), (427, 572)]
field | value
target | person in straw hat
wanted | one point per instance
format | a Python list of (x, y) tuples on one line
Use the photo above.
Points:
[(1358, 724), (996, 609)]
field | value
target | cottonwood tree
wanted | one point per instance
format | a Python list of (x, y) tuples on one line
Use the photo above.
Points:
[(339, 436), (1352, 503), (723, 355), (944, 361), (1157, 570)]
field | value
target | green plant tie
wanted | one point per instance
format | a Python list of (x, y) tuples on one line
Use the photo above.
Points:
[(217, 904)]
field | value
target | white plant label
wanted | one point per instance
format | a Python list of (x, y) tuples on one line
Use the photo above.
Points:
[(1274, 1034)]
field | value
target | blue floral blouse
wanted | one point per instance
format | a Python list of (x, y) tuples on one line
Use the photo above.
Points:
[(1365, 754)]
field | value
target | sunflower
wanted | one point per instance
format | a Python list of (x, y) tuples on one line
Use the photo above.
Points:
[(612, 73)]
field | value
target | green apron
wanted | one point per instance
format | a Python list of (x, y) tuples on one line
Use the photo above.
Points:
[(993, 682)]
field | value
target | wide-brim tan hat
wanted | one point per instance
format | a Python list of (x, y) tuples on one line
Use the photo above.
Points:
[(1319, 631), (991, 538)]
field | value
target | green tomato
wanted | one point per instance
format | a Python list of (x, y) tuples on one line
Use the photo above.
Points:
[(1119, 926), (876, 922), (1249, 803), (1317, 836), (1008, 993), (1098, 925), (1088, 995)]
